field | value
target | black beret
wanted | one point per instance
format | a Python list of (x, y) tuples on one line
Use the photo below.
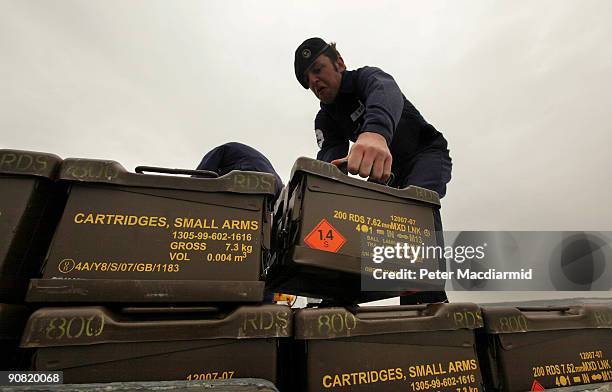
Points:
[(305, 55)]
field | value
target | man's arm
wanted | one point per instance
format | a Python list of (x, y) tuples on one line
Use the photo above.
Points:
[(384, 102), (332, 145)]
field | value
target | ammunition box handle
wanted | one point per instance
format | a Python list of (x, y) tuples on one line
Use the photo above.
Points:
[(543, 308), (165, 170), (168, 310), (377, 309), (373, 309), (343, 167)]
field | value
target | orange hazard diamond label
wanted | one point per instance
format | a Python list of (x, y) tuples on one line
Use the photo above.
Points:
[(325, 237), (536, 386)]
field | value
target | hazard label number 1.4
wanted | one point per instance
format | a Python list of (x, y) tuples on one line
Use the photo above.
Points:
[(325, 237)]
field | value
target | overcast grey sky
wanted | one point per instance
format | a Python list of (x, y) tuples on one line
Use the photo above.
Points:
[(521, 89)]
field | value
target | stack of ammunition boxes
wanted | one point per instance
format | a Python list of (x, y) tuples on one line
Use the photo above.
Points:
[(151, 277), (155, 277), (30, 203), (327, 224)]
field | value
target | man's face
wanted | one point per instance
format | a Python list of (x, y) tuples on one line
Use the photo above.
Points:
[(324, 77)]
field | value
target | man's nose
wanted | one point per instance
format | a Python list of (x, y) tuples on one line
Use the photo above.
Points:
[(312, 79)]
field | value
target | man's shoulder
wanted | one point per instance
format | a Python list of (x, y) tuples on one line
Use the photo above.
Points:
[(362, 79), (353, 81), (353, 75), (367, 70)]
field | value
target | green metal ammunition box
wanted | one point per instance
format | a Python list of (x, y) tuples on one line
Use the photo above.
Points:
[(96, 345), (327, 222), (413, 348), (536, 348), (143, 238)]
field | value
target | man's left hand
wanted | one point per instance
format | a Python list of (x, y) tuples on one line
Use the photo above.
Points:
[(369, 157)]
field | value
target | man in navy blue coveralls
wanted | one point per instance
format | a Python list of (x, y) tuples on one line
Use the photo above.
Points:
[(367, 107)]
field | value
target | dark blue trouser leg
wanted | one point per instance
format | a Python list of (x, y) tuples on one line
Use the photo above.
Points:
[(432, 170)]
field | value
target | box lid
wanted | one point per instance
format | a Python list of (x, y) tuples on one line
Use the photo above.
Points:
[(501, 320), (29, 163), (327, 170), (88, 325), (337, 322), (79, 170)]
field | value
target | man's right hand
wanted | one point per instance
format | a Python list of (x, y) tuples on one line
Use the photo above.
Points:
[(369, 157)]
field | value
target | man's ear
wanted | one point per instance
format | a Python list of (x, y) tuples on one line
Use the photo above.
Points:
[(340, 64)]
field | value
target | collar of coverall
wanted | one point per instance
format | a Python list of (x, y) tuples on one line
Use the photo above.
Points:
[(346, 86)]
